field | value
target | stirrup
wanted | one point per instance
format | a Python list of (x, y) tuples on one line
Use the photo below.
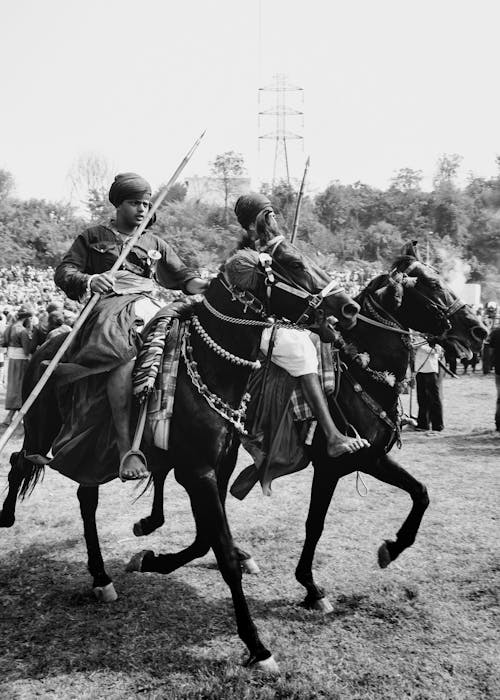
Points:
[(133, 453)]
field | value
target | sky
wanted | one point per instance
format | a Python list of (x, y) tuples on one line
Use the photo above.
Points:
[(386, 84)]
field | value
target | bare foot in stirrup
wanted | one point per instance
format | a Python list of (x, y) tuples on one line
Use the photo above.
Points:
[(133, 466), (337, 446)]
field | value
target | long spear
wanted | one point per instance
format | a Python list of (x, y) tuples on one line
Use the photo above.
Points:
[(131, 241), (299, 202)]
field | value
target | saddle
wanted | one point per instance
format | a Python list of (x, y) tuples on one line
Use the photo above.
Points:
[(157, 365)]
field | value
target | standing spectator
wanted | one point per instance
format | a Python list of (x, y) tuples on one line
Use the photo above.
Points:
[(57, 324), (430, 407), (3, 328), (494, 344), (18, 341)]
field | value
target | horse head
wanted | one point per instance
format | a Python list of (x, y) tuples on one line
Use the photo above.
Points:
[(393, 299), (465, 332), (295, 287)]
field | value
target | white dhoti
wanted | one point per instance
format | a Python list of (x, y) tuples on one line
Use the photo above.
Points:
[(294, 350)]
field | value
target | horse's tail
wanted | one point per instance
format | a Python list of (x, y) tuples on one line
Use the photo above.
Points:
[(145, 489), (32, 469)]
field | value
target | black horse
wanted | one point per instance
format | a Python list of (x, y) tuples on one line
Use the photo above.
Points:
[(371, 406), (220, 349), (410, 296)]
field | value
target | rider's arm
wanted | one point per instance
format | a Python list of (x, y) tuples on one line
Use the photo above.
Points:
[(171, 272), (69, 274)]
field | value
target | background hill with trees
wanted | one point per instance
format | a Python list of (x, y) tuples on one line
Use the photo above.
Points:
[(344, 225)]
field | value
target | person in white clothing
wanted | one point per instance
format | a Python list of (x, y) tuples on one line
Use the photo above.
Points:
[(293, 348), (430, 407)]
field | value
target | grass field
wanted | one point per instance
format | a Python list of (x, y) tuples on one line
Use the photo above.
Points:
[(425, 627)]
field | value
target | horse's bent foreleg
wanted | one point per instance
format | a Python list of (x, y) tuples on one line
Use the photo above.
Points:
[(323, 487), (103, 588), (147, 560), (155, 520), (390, 472)]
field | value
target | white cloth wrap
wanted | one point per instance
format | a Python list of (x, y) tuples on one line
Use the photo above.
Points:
[(145, 307), (427, 359), (293, 351), (16, 353)]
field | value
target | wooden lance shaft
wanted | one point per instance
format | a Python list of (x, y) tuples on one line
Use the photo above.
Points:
[(131, 241), (299, 202)]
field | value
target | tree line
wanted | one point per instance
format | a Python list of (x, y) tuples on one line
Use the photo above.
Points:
[(344, 225)]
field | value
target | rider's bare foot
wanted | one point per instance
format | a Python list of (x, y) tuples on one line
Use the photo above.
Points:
[(133, 467), (337, 446)]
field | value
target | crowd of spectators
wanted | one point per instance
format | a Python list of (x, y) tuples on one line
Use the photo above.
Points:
[(32, 309)]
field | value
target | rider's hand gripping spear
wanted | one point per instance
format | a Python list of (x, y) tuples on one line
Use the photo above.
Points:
[(131, 241)]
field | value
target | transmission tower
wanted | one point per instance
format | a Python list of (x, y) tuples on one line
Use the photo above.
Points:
[(288, 103)]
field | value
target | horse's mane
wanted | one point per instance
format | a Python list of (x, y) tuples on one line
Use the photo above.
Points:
[(404, 259), (381, 280), (246, 241)]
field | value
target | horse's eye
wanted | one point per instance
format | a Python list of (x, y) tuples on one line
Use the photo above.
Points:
[(297, 265)]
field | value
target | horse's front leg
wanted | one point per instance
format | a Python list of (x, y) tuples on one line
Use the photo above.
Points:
[(103, 588), (323, 487), (155, 520), (247, 562), (15, 478), (210, 511), (212, 531), (389, 471)]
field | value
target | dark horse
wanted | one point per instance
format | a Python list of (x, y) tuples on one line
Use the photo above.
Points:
[(371, 406), (209, 403), (410, 296)]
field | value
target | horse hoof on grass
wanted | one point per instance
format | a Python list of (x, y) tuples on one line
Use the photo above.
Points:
[(323, 605), (6, 520), (268, 666), (135, 564), (250, 566), (105, 594), (384, 556), (137, 529)]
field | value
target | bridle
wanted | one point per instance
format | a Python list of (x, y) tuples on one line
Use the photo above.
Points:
[(274, 279), (446, 310)]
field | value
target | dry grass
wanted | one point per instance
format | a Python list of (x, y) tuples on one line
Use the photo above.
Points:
[(426, 627)]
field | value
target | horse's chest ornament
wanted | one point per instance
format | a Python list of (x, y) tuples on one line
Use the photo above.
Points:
[(235, 416)]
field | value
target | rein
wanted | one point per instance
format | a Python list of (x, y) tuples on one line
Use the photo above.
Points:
[(449, 310), (313, 300)]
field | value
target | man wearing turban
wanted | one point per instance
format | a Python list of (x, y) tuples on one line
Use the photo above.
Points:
[(294, 350), (107, 343)]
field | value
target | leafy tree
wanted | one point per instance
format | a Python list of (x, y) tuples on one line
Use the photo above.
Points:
[(227, 167), (406, 180), (381, 242), (90, 177), (7, 184)]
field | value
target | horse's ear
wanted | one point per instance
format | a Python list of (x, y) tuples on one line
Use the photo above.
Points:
[(390, 296), (410, 249)]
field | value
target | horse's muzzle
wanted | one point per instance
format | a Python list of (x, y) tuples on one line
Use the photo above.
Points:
[(479, 333), (350, 313)]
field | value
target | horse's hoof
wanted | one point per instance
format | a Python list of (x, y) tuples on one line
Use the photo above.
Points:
[(6, 520), (135, 564), (384, 556), (250, 566), (137, 529), (323, 605), (105, 594), (268, 666)]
